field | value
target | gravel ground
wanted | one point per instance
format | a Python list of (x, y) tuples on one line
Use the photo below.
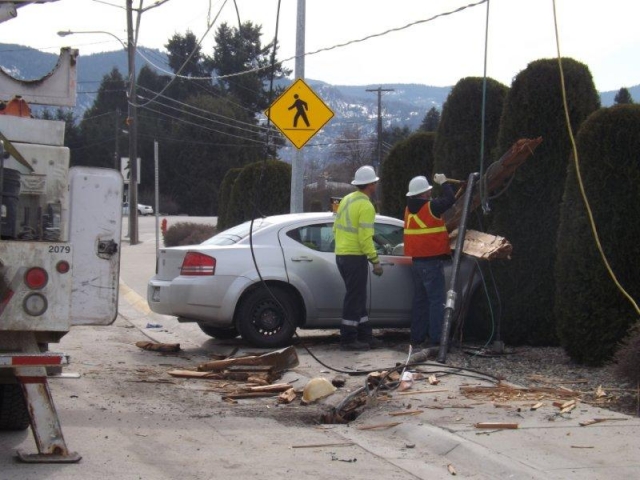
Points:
[(551, 367)]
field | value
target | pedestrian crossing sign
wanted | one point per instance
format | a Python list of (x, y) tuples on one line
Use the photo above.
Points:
[(299, 113)]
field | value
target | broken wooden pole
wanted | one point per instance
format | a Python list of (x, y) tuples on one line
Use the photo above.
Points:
[(495, 177)]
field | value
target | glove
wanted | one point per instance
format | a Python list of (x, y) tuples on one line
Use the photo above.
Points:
[(377, 269), (439, 178)]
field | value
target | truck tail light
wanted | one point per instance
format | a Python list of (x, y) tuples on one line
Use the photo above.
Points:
[(63, 266), (36, 278), (198, 264)]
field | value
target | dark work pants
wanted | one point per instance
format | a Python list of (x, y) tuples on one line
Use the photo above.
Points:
[(354, 270), (428, 300)]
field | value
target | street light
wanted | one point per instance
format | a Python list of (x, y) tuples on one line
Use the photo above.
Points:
[(132, 121)]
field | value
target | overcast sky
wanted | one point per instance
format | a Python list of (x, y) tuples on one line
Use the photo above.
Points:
[(604, 35)]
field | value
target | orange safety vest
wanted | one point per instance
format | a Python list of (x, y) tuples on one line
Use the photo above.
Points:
[(424, 234)]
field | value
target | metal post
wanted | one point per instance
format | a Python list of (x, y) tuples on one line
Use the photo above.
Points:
[(450, 303), (116, 152), (157, 193), (133, 130), (297, 166)]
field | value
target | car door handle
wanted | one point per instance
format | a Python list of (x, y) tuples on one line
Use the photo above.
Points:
[(301, 259), (387, 264)]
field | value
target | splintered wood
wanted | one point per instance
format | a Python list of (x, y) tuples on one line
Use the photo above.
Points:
[(507, 393), (259, 373), (482, 245)]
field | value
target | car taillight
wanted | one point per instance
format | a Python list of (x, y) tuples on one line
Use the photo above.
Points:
[(36, 278), (196, 263)]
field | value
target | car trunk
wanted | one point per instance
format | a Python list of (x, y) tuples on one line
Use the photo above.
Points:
[(170, 262)]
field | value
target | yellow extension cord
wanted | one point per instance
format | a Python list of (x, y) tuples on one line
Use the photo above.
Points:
[(577, 164)]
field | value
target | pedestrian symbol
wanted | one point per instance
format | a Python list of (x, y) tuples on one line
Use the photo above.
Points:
[(299, 113)]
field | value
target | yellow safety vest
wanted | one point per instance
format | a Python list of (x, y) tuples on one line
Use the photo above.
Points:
[(353, 226)]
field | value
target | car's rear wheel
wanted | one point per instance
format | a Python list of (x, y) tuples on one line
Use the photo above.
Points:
[(13, 408), (265, 322), (218, 332)]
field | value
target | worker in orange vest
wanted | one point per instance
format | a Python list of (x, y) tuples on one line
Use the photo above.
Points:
[(426, 240)]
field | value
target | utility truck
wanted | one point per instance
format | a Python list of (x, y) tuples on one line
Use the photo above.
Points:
[(60, 233)]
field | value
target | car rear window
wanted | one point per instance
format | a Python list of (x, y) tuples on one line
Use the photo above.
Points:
[(237, 233)]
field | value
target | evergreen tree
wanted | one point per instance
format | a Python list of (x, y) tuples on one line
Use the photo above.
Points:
[(459, 134), (411, 157), (527, 214), (99, 123), (212, 135), (186, 60), (623, 97), (241, 50), (393, 135), (593, 315), (431, 120)]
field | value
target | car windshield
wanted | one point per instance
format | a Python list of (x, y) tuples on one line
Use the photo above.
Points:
[(237, 233)]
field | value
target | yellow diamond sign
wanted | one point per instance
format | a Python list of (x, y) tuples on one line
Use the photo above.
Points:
[(299, 113)]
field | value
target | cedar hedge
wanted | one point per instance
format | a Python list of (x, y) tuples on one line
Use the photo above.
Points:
[(225, 195), (592, 315), (408, 158), (528, 213), (261, 189), (456, 149), (188, 233)]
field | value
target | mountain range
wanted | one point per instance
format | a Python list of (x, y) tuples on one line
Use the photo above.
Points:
[(403, 105)]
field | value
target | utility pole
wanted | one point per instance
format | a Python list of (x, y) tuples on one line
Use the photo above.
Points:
[(379, 148), (116, 152), (132, 123), (297, 166)]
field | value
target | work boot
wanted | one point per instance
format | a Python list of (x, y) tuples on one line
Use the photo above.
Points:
[(354, 345), (424, 355), (365, 335)]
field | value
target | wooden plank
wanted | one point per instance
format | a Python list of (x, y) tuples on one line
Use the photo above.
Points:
[(496, 425), (240, 395), (322, 445), (193, 374), (379, 426), (405, 412), (418, 392), (274, 387), (278, 360)]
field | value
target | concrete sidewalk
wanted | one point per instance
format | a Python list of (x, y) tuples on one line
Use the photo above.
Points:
[(441, 430)]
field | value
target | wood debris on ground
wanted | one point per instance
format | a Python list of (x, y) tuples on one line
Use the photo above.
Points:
[(496, 425), (159, 347), (503, 392), (257, 372)]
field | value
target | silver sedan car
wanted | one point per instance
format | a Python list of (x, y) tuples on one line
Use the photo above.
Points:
[(266, 278)]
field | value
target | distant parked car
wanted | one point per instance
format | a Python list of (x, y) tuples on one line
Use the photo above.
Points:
[(216, 283), (142, 209)]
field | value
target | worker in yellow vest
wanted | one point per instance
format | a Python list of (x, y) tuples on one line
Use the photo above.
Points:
[(353, 231), (426, 240)]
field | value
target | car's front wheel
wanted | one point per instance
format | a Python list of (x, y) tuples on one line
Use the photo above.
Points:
[(265, 322), (218, 332)]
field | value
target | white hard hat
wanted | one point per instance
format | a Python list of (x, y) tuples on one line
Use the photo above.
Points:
[(364, 176), (418, 185)]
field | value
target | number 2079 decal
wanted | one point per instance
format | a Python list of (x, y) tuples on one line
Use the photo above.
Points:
[(59, 248)]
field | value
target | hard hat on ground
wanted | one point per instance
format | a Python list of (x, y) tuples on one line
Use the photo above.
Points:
[(418, 185), (364, 176)]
